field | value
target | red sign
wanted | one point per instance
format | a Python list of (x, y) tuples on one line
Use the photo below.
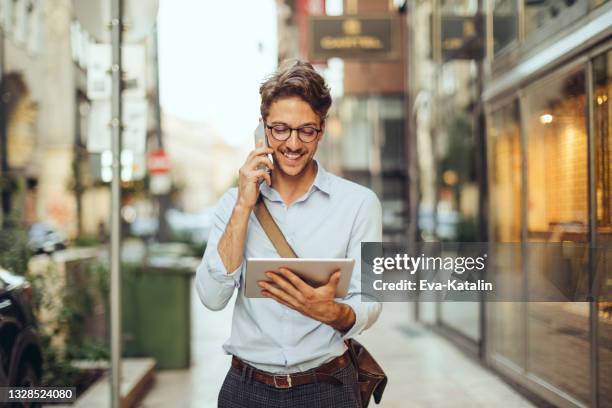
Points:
[(159, 162)]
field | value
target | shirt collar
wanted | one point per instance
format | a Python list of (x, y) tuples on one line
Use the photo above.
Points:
[(321, 182)]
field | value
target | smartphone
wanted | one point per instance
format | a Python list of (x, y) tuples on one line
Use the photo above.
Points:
[(260, 134)]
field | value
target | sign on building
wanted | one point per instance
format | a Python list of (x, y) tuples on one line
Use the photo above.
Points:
[(461, 37), (99, 75), (134, 125), (160, 181), (354, 37)]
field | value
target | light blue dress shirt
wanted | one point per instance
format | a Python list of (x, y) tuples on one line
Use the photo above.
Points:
[(329, 221)]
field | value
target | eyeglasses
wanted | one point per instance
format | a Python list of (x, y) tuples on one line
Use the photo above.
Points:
[(282, 132)]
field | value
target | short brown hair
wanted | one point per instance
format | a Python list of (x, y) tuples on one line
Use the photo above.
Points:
[(296, 78)]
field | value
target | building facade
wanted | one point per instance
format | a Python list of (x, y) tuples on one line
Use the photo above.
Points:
[(537, 114), (38, 132), (548, 136), (51, 175)]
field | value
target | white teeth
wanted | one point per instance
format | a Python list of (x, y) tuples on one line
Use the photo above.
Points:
[(292, 156)]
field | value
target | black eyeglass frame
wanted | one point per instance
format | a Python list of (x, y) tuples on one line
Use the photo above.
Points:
[(271, 128)]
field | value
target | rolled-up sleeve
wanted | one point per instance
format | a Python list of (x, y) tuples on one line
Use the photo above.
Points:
[(214, 284), (367, 227)]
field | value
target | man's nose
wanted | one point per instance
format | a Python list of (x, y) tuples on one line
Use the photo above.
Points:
[(294, 142)]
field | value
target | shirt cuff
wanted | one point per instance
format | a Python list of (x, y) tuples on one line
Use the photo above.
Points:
[(361, 316), (218, 271)]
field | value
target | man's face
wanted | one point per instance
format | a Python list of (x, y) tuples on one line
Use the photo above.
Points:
[(292, 156)]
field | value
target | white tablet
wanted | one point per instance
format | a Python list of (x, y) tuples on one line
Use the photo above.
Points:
[(315, 272)]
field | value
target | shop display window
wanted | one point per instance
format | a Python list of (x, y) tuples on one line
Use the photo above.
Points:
[(505, 321), (555, 123), (557, 179), (602, 137), (505, 174), (505, 23)]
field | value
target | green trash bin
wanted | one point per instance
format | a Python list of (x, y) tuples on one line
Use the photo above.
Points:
[(156, 312)]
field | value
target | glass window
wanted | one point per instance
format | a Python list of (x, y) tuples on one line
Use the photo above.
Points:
[(392, 149), (557, 186), (394, 187), (557, 160), (356, 146), (602, 106), (356, 135), (459, 7), (506, 319), (554, 14), (505, 17), (602, 69), (505, 173)]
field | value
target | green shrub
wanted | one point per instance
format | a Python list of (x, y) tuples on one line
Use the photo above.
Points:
[(78, 302), (86, 240), (14, 250)]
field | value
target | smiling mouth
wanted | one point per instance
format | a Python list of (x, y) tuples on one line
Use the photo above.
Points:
[(292, 156)]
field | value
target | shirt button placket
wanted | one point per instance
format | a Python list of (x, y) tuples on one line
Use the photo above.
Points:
[(285, 325), (285, 330), (289, 224)]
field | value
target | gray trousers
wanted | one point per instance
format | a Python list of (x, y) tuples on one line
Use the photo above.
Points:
[(239, 390)]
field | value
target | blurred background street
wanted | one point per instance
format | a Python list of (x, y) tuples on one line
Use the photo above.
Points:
[(472, 121)]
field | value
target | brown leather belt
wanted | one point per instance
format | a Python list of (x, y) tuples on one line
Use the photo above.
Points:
[(323, 373)]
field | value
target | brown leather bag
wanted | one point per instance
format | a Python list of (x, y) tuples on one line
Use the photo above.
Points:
[(371, 377)]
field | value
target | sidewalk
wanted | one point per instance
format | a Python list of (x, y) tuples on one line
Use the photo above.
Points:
[(424, 370)]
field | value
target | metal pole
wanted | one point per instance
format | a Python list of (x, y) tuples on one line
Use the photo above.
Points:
[(115, 250), (158, 121), (479, 136), (163, 200), (435, 129), (4, 168), (593, 292)]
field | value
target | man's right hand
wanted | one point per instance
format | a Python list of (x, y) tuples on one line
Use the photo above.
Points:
[(250, 176)]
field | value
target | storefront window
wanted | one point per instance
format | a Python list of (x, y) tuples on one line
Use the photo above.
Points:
[(602, 70), (505, 14), (602, 91), (506, 320), (356, 136), (505, 153), (557, 191), (557, 159), (552, 14)]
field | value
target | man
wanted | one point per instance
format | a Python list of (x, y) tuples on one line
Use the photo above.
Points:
[(289, 349)]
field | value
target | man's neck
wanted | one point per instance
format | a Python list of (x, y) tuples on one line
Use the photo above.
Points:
[(291, 188)]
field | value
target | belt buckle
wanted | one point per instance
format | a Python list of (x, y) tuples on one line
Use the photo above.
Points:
[(286, 377)]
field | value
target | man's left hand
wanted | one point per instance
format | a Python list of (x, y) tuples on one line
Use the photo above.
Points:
[(316, 303)]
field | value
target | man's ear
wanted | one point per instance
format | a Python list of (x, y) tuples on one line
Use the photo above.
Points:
[(322, 129)]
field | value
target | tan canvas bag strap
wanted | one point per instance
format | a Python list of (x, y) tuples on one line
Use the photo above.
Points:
[(272, 231)]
